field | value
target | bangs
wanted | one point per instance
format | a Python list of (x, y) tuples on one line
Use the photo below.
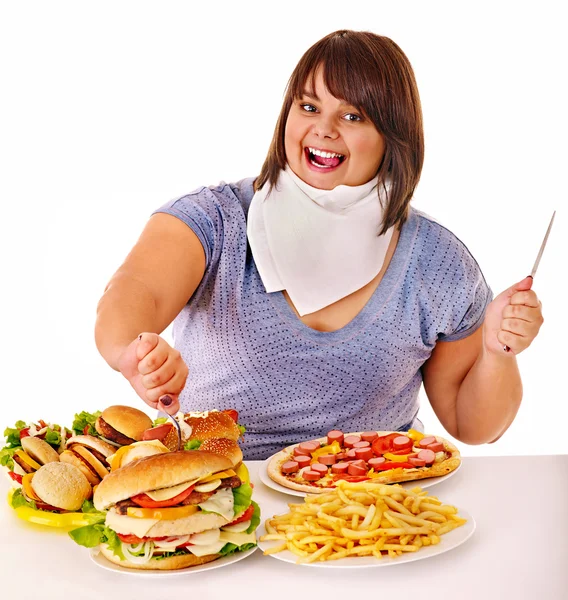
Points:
[(347, 74)]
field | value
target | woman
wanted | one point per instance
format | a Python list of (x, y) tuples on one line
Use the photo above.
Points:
[(348, 299)]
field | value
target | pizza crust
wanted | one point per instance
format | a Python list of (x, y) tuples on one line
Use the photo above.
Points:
[(436, 470)]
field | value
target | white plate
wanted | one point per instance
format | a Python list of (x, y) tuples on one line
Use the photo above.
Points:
[(422, 483), (102, 562), (448, 541)]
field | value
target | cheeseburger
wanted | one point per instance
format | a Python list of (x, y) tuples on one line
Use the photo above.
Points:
[(54, 487), (33, 454), (174, 510), (90, 455), (122, 425)]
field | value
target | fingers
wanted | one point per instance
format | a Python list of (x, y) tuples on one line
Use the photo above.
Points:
[(522, 312), (169, 404), (528, 298), (171, 387), (146, 343)]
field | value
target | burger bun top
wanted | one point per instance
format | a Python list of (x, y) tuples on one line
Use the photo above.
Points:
[(39, 450), (61, 485), (156, 472), (127, 420)]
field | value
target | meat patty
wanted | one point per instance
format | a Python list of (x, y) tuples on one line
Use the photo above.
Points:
[(111, 433)]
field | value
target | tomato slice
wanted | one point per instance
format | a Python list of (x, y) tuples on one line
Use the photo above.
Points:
[(133, 539), (245, 516), (383, 444), (15, 476), (25, 432), (145, 501), (232, 413)]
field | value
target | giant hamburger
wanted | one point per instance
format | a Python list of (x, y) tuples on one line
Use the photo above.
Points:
[(173, 510)]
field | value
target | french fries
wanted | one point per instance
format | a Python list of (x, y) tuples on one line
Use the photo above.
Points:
[(361, 519)]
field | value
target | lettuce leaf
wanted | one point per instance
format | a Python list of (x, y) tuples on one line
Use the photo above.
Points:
[(53, 437), (159, 421), (18, 499), (6, 457), (255, 519), (91, 536), (84, 419), (229, 548), (242, 496), (242, 429), (12, 434), (192, 445)]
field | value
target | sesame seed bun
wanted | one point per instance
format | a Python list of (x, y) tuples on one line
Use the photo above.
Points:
[(156, 472), (212, 425), (180, 561), (61, 485), (225, 447), (39, 450), (127, 421)]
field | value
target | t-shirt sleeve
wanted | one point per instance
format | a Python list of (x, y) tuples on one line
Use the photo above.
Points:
[(200, 212), (474, 297)]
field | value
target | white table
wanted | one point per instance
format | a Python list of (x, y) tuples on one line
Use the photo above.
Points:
[(519, 551)]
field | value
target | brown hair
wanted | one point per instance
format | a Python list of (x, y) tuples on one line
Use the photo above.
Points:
[(374, 75)]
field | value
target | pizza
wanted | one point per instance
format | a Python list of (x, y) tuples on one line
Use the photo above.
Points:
[(379, 456)]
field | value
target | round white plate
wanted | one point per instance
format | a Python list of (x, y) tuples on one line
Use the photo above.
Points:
[(102, 562), (448, 541), (422, 483)]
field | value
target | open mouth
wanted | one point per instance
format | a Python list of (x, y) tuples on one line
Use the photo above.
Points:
[(323, 160)]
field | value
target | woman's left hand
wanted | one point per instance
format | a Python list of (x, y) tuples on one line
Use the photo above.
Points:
[(513, 319)]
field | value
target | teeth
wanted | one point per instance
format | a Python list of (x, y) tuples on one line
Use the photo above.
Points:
[(324, 154)]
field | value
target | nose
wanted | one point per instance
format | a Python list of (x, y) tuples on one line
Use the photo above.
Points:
[(324, 128)]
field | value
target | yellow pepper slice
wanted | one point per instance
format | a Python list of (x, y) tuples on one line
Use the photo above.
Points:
[(176, 512), (70, 520), (27, 459), (414, 435), (333, 448), (243, 474), (396, 457)]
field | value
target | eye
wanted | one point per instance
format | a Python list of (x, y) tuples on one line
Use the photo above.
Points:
[(353, 117), (308, 107)]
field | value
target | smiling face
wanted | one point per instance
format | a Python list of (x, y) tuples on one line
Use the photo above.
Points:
[(330, 143)]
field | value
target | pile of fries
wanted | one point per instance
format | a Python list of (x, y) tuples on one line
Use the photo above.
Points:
[(361, 519)]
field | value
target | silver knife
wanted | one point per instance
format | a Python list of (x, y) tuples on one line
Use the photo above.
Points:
[(538, 257)]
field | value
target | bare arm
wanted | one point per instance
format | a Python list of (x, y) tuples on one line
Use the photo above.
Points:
[(474, 386), (475, 393), (150, 288)]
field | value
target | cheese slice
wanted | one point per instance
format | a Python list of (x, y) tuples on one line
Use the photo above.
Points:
[(128, 525), (220, 475), (27, 459), (230, 537), (221, 503), (133, 451), (171, 492), (213, 548)]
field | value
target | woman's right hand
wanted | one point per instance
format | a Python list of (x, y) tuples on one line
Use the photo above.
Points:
[(155, 370)]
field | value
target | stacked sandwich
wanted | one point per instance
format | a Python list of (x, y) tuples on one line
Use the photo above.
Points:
[(177, 509)]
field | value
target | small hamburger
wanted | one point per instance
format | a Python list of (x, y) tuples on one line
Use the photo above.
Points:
[(90, 455), (122, 425), (173, 510), (54, 487), (34, 453)]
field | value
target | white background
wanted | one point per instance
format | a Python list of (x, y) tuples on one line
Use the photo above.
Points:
[(110, 109)]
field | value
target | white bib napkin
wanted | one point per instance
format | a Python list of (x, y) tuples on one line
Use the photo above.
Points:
[(318, 245)]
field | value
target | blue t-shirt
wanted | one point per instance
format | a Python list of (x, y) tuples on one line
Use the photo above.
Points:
[(246, 349)]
